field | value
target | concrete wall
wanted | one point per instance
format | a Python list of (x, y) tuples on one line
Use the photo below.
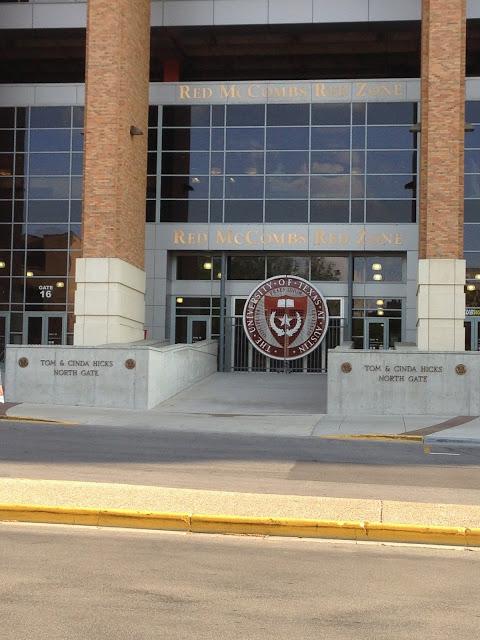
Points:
[(404, 381), (104, 376)]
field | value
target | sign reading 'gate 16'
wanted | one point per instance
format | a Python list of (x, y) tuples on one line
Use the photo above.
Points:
[(285, 317)]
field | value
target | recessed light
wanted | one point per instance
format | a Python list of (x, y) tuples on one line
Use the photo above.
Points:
[(60, 284)]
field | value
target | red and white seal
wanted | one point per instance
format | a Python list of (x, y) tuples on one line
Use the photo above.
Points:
[(285, 317)]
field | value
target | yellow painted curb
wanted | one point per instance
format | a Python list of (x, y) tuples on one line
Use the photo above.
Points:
[(374, 436), (241, 525)]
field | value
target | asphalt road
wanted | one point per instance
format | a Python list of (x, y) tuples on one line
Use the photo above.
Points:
[(62, 583), (245, 463)]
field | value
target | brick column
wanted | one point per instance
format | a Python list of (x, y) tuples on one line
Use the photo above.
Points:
[(109, 300), (441, 278)]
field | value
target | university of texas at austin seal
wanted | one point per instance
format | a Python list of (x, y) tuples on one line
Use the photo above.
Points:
[(285, 317)]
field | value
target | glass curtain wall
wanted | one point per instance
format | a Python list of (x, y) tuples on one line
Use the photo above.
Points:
[(300, 163), (41, 168)]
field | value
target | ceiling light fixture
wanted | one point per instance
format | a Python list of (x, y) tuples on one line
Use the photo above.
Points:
[(377, 276), (376, 266)]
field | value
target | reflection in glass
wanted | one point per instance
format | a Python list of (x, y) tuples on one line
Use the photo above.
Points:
[(288, 265), (184, 211), (6, 141), (244, 187), (392, 113), (287, 162), (195, 162), (184, 187), (472, 161), (391, 162), (250, 163), (330, 137), (49, 140), (50, 117), (391, 211), (288, 114), (245, 139), (286, 211), (397, 186), (47, 236), (390, 138), (49, 188), (47, 263), (472, 186), (287, 137), (246, 268), (194, 267), (286, 187), (357, 211), (243, 210), (329, 211), (472, 210), (331, 114), (472, 237), (186, 139), (330, 186), (330, 162), (329, 268), (216, 186), (186, 116), (241, 115)]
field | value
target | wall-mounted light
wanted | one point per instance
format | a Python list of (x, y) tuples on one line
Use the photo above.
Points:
[(135, 131), (219, 275), (60, 284), (196, 180), (207, 266), (377, 276), (2, 264), (471, 287), (29, 274), (380, 303), (477, 276), (179, 300), (376, 266), (380, 312)]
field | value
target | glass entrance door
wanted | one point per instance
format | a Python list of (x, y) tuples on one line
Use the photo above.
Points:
[(376, 334), (472, 334), (44, 328), (198, 329), (3, 336)]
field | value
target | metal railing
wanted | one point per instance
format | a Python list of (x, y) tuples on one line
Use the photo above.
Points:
[(240, 355)]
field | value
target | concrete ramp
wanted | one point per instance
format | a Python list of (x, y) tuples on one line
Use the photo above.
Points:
[(252, 394)]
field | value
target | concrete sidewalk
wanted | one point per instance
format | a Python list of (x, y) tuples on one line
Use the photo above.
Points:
[(139, 506), (260, 404), (461, 430)]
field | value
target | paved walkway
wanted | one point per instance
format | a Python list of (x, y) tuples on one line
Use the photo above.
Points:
[(167, 500), (260, 404)]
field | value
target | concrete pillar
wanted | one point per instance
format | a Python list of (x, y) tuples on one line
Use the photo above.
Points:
[(441, 281), (110, 277)]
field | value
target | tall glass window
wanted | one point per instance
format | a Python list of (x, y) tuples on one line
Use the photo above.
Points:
[(41, 174), (293, 163)]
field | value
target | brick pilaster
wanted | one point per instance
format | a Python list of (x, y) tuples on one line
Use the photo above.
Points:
[(117, 84), (443, 120)]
